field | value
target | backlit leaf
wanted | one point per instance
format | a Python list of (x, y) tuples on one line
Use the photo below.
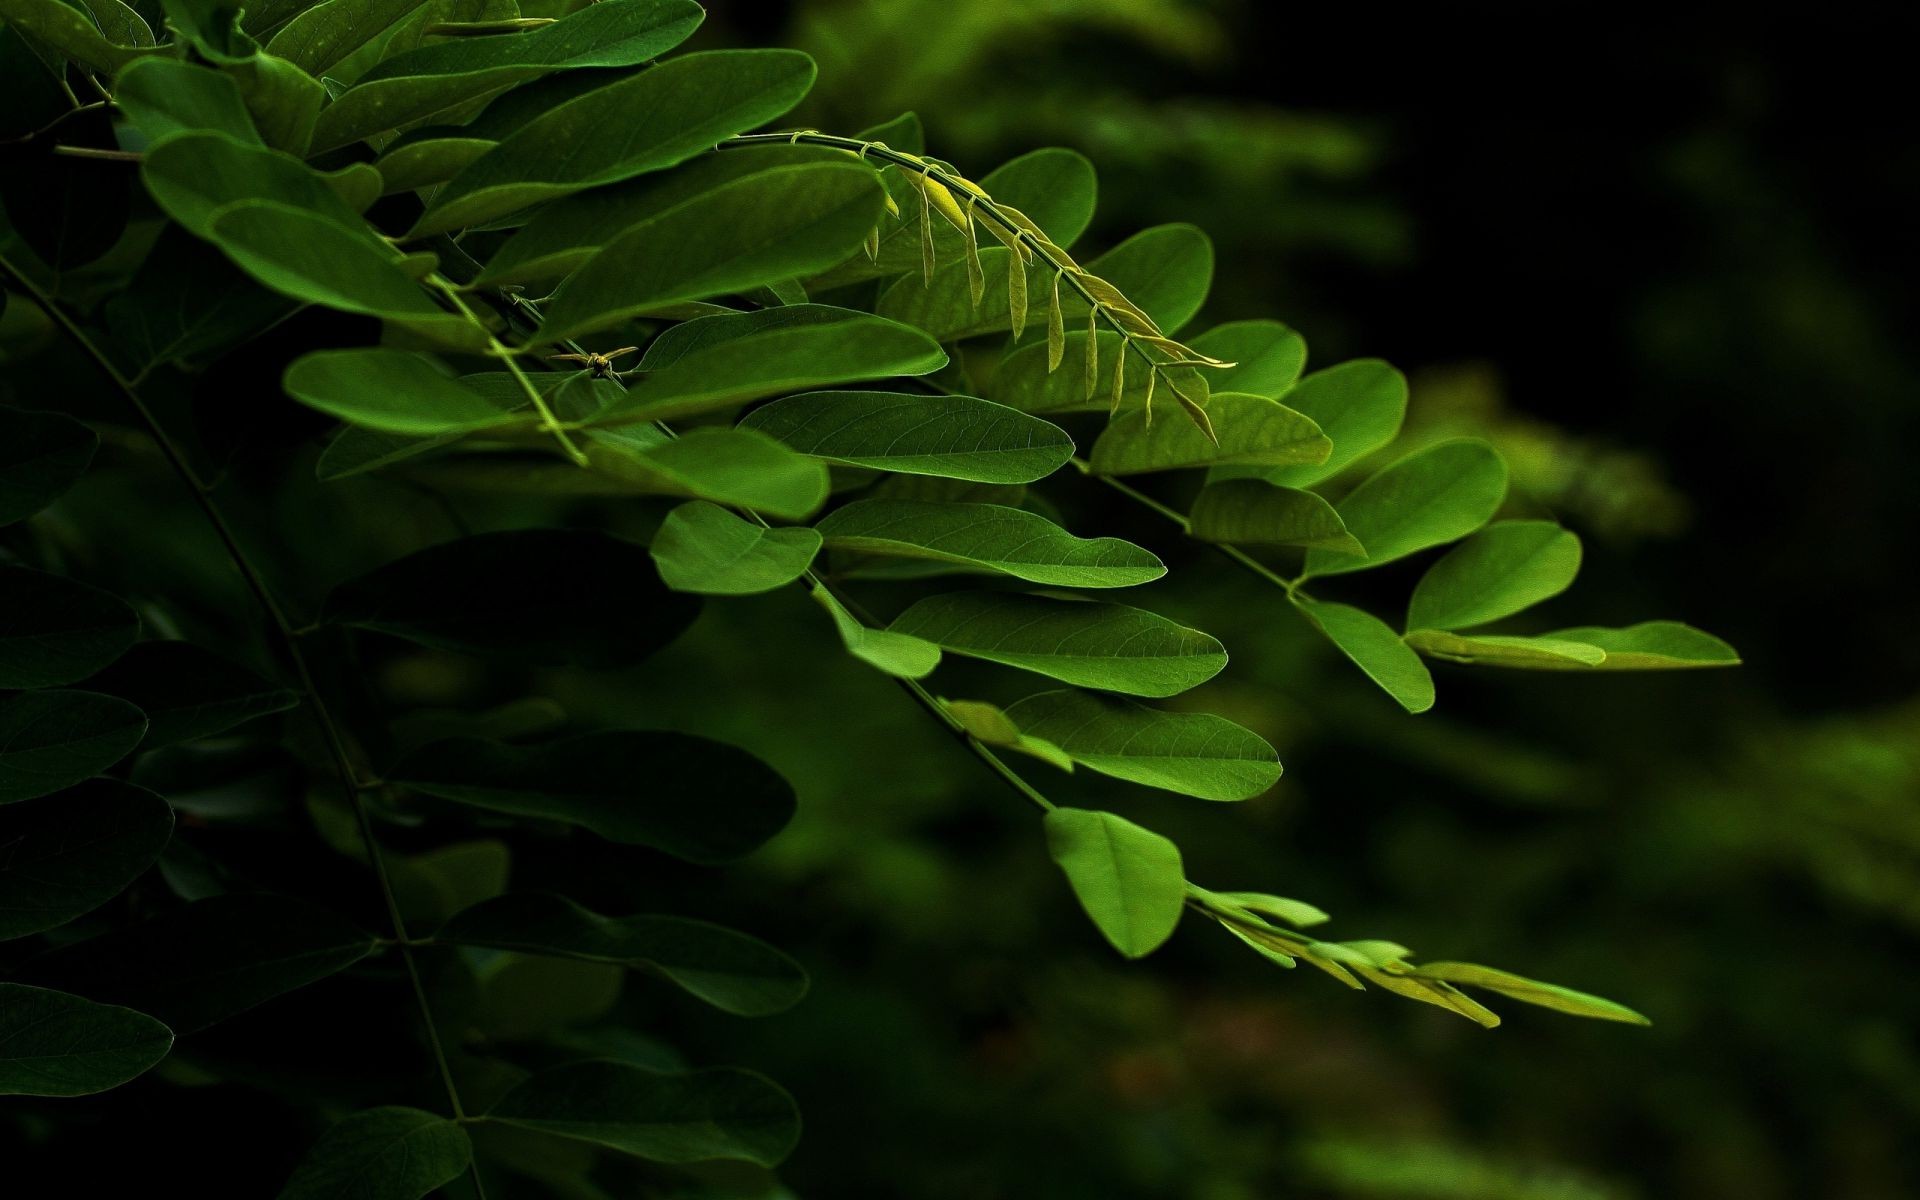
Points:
[(991, 537), (1195, 754), (391, 391), (896, 654), (1130, 880), (1267, 358), (1251, 430), (54, 1044), (690, 797), (726, 466), (1533, 653), (1428, 498), (1506, 567), (1375, 648), (1090, 644), (957, 437), (1252, 512), (1532, 991), (702, 547), (1652, 646), (1359, 406)]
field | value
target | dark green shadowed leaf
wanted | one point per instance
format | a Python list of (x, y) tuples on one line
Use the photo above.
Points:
[(725, 360), (693, 798), (391, 391), (209, 960), (163, 96), (1090, 644), (1430, 497), (318, 38), (990, 537), (757, 230), (956, 437), (1267, 358), (438, 80), (54, 630), (729, 970), (1506, 567), (1531, 991), (647, 122), (1130, 880), (187, 692), (381, 1154), (726, 466), (661, 1116), (1195, 754), (1493, 650), (530, 595), (54, 1044), (67, 30), (702, 547), (69, 853), (895, 654), (193, 176), (1253, 512), (1375, 648), (187, 303), (1252, 431), (1359, 406), (1653, 646), (54, 739), (41, 456)]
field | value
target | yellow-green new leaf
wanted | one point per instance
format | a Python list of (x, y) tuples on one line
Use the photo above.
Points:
[(1252, 431), (1130, 880), (1506, 567), (703, 548), (1531, 991), (1653, 646), (896, 654), (1491, 650), (1195, 754), (990, 537), (985, 723)]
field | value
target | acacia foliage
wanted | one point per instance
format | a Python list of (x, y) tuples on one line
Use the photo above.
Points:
[(495, 254)]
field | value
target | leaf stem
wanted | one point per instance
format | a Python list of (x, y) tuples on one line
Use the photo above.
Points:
[(506, 354)]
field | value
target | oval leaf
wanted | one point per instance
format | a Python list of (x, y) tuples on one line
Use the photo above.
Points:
[(1359, 405), (51, 740), (726, 466), (1652, 646), (41, 456), (662, 1116), (381, 1154), (992, 537), (1532, 991), (1195, 754), (1130, 880), (956, 437), (895, 654), (1506, 567), (1253, 512), (1489, 650), (1430, 497), (69, 853), (391, 391), (1375, 648), (702, 547), (54, 1044), (1251, 430), (1266, 356)]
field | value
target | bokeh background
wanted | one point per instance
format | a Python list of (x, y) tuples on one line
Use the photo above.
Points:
[(1666, 260)]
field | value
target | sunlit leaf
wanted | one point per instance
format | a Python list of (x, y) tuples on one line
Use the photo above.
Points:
[(54, 1044), (1130, 880), (1428, 498), (729, 970), (1090, 644), (381, 1154), (1252, 512), (1195, 754), (690, 797), (1165, 271), (1027, 379), (958, 437), (1267, 358), (991, 537), (726, 466), (1491, 650), (1532, 991), (391, 391), (1251, 430), (990, 725), (1652, 646), (702, 547), (1506, 567), (71, 852), (669, 1117), (896, 654), (1375, 648), (662, 116), (1359, 406)]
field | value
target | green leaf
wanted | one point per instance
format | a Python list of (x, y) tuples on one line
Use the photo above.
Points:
[(729, 359), (1267, 358), (1359, 405), (69, 31), (944, 306), (728, 970), (1129, 879), (1527, 653), (410, 165), (320, 37), (702, 547), (955, 437), (757, 230), (310, 258), (663, 115), (1506, 567), (1253, 512), (69, 853), (1652, 646), (391, 391), (1055, 188), (193, 176), (1165, 271), (1085, 643), (661, 1116), (209, 960), (989, 537), (527, 595), (55, 630), (42, 454), (1026, 379), (985, 723), (1428, 498), (1375, 648), (53, 1044), (187, 692), (1297, 913), (726, 466), (1253, 431), (895, 654), (561, 236), (1195, 754), (54, 739), (1532, 991), (163, 96), (381, 1154), (438, 80), (696, 799)]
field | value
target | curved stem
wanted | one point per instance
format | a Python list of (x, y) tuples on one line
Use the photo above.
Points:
[(503, 352)]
